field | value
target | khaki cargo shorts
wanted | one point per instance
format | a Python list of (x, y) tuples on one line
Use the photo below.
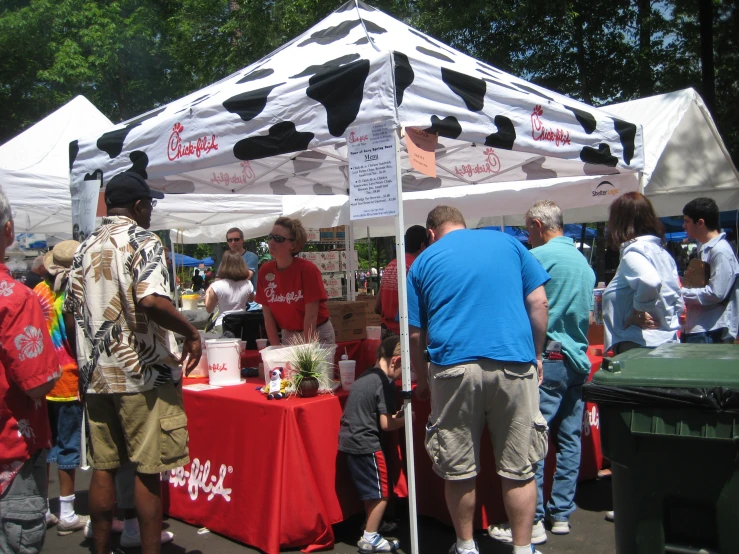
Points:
[(148, 428), (467, 396)]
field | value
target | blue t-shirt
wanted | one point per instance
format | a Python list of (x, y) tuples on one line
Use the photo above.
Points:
[(252, 262), (468, 291)]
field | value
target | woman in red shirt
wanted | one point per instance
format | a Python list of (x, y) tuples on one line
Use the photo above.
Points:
[(290, 289)]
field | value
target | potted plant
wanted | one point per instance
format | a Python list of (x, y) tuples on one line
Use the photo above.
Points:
[(311, 366)]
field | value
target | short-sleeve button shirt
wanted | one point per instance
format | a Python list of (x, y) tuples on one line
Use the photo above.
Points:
[(118, 348), (27, 361)]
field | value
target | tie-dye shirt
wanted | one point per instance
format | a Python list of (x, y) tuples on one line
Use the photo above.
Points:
[(66, 388)]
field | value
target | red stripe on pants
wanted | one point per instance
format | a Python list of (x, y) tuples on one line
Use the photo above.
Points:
[(382, 474)]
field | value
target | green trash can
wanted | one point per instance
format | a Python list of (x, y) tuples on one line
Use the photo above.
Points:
[(669, 421)]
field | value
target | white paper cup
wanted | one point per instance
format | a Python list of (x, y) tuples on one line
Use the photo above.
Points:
[(347, 370), (261, 343)]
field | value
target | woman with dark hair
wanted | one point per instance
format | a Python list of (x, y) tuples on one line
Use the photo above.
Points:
[(232, 289), (642, 304), (290, 289)]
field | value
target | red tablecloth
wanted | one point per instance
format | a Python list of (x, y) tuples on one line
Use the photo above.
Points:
[(269, 474)]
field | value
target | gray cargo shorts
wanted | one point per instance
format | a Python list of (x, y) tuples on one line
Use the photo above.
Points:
[(22, 508)]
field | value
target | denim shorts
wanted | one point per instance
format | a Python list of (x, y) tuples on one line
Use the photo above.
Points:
[(65, 419)]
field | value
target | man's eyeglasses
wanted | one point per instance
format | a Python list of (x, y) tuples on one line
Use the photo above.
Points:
[(279, 239), (237, 239)]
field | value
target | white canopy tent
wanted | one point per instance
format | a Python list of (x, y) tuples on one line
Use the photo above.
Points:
[(34, 167), (684, 155), (281, 126)]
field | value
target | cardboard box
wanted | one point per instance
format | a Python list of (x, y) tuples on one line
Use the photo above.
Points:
[(327, 234), (328, 267), (334, 291), (331, 281), (340, 233), (331, 256), (371, 317), (348, 320), (311, 256), (314, 235)]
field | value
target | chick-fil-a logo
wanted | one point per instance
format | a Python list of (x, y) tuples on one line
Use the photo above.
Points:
[(177, 149), (217, 367), (198, 478), (354, 138), (227, 179), (539, 132), (491, 165), (590, 420)]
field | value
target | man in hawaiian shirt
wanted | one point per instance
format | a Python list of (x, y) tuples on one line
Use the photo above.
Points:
[(29, 369), (119, 294)]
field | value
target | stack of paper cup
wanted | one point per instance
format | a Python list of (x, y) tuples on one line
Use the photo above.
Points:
[(347, 369), (261, 344)]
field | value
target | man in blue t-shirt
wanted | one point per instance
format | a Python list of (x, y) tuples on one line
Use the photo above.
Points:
[(235, 239), (566, 363), (477, 299)]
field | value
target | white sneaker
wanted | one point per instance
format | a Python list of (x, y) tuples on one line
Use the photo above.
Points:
[(68, 527), (116, 527), (129, 541), (560, 527), (503, 533)]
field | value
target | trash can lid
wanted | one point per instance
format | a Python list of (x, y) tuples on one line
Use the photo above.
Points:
[(673, 366)]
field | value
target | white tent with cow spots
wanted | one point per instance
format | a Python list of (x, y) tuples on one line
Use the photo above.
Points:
[(279, 126)]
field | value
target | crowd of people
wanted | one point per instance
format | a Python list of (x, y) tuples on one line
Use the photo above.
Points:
[(498, 337)]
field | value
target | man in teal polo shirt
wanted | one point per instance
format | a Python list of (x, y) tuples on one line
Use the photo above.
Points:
[(566, 364)]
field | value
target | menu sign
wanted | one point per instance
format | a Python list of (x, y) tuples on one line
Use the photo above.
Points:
[(373, 190)]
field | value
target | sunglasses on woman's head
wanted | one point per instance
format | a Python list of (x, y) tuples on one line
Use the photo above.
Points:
[(279, 239)]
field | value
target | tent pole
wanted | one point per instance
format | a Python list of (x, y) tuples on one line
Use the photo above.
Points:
[(405, 351), (351, 291), (582, 238)]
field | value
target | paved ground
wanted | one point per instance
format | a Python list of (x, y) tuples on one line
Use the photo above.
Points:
[(590, 532)]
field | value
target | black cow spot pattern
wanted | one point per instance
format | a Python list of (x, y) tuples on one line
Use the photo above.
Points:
[(448, 127), (195, 102), (140, 161), (340, 90), (601, 156), (112, 142), (282, 139), (431, 42), (586, 120), (363, 40), (249, 105), (589, 169), (434, 54), (278, 186), (322, 190), (94, 176), (470, 89), (340, 31), (350, 6), (533, 91), (506, 135), (411, 182), (306, 162), (255, 75), (74, 149), (403, 75), (489, 67), (627, 133), (534, 170), (501, 84), (336, 62)]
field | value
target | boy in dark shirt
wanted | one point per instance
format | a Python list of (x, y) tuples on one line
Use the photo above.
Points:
[(369, 408)]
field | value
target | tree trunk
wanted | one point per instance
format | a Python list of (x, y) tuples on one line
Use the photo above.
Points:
[(705, 14), (582, 57)]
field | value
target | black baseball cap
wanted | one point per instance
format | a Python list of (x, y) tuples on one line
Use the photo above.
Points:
[(127, 187)]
